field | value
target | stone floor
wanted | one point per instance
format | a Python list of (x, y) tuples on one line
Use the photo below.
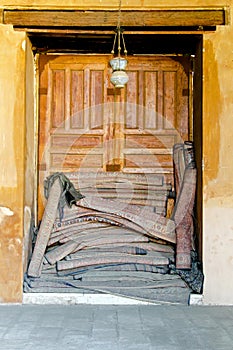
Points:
[(111, 327)]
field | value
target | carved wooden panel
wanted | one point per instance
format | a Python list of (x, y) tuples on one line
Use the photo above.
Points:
[(71, 124), (156, 114)]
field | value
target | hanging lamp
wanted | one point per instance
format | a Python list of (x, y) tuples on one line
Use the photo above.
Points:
[(119, 77)]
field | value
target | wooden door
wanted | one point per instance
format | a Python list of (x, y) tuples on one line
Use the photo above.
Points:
[(85, 123), (154, 115)]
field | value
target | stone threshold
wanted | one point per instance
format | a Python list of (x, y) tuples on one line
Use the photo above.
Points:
[(79, 298), (92, 299)]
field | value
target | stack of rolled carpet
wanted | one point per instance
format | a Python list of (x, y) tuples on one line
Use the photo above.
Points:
[(94, 240)]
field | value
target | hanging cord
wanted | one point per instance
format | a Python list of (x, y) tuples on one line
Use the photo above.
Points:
[(119, 41), (119, 35), (114, 42), (119, 32), (119, 15), (123, 40)]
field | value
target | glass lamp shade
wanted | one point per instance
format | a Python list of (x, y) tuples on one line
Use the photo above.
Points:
[(119, 78), (118, 63)]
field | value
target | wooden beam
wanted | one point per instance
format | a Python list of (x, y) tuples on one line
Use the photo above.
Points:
[(108, 18), (103, 31)]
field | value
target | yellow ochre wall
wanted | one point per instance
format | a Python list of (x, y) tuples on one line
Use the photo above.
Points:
[(16, 134), (12, 141)]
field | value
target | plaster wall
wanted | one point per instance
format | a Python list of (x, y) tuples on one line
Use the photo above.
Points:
[(218, 166), (217, 148), (12, 139)]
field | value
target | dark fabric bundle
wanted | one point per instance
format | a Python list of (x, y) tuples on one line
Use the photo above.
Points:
[(69, 195)]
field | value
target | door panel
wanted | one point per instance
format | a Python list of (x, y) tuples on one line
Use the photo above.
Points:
[(71, 127), (85, 123), (156, 115)]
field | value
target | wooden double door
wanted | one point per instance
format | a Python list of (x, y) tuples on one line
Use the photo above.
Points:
[(85, 123)]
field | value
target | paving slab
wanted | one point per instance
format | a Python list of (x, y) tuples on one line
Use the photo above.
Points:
[(115, 327)]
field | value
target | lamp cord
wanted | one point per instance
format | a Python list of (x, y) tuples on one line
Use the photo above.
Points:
[(119, 15), (119, 34)]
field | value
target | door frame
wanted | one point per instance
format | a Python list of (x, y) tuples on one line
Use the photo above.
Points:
[(196, 115)]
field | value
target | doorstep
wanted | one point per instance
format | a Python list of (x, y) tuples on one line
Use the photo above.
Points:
[(80, 298), (93, 299)]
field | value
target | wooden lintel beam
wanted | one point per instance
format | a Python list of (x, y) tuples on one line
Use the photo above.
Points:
[(109, 18), (103, 31)]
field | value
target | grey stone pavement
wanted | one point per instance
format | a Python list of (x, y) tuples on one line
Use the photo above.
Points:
[(111, 327)]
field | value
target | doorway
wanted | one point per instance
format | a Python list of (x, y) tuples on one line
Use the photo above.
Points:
[(85, 123), (183, 49)]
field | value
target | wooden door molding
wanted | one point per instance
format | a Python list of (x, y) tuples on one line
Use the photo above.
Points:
[(191, 17)]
